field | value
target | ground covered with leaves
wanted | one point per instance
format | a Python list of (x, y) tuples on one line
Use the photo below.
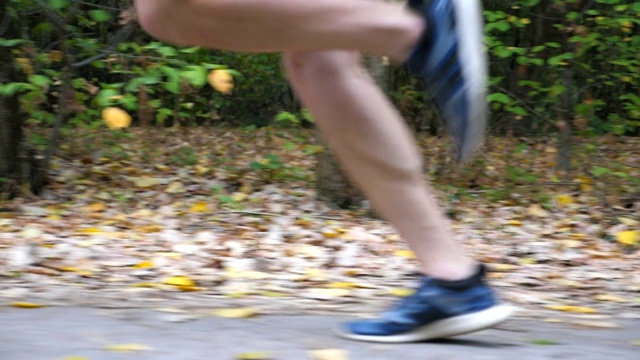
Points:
[(226, 222)]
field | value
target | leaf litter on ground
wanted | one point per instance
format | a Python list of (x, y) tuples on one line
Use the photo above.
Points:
[(142, 228)]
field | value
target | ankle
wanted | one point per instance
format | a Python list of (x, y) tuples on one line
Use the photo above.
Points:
[(454, 272)]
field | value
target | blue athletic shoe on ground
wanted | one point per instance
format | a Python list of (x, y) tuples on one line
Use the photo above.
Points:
[(451, 59), (438, 309)]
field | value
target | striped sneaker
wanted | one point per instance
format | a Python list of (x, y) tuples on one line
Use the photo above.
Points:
[(438, 309), (451, 59)]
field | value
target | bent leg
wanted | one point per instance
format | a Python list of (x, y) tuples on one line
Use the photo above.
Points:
[(368, 26), (378, 152)]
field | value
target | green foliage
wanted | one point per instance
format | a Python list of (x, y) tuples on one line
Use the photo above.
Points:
[(575, 60)]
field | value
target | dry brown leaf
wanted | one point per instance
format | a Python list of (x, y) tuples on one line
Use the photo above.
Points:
[(329, 354), (628, 222), (146, 182), (175, 187)]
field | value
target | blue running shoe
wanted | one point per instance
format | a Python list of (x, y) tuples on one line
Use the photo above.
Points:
[(438, 309), (451, 59)]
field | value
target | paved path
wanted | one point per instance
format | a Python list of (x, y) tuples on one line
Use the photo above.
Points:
[(57, 333)]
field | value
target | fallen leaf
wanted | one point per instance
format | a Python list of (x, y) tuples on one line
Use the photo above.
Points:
[(254, 356), (628, 222), (596, 324), (26, 305), (630, 238), (607, 297), (201, 207), (565, 200), (239, 196), (175, 187), (239, 313), (405, 254), (144, 265), (402, 292), (128, 347), (75, 358), (179, 281), (514, 222), (537, 211), (571, 308), (329, 354), (96, 207), (146, 182), (635, 343)]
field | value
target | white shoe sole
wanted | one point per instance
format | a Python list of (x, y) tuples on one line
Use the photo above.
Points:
[(472, 52), (458, 325)]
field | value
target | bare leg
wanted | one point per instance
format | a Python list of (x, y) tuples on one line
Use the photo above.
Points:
[(377, 150), (368, 26)]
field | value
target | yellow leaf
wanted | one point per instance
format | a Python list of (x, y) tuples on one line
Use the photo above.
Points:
[(144, 265), (329, 233), (571, 308), (342, 285), (26, 305), (565, 200), (635, 343), (96, 207), (630, 238), (405, 254), (116, 118), (528, 261), (201, 207), (221, 80), (254, 356), (128, 347), (149, 229), (502, 267), (329, 354), (90, 231), (239, 313), (402, 292), (179, 281), (145, 285), (273, 294), (515, 222), (525, 21)]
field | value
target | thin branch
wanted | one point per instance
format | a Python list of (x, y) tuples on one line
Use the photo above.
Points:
[(521, 102), (97, 5), (121, 35)]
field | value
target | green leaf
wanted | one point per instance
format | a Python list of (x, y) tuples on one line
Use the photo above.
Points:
[(173, 79), (499, 98), (39, 80), (100, 15), (14, 88), (103, 98), (600, 171), (58, 4), (167, 51), (560, 59), (196, 75), (11, 42)]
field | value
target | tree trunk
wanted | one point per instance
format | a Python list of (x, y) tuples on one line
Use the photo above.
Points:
[(332, 184), (10, 124), (17, 163)]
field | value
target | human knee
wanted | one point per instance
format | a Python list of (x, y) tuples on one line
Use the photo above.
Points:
[(319, 64)]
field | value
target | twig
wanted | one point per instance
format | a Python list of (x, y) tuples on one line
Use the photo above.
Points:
[(527, 186), (120, 36)]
